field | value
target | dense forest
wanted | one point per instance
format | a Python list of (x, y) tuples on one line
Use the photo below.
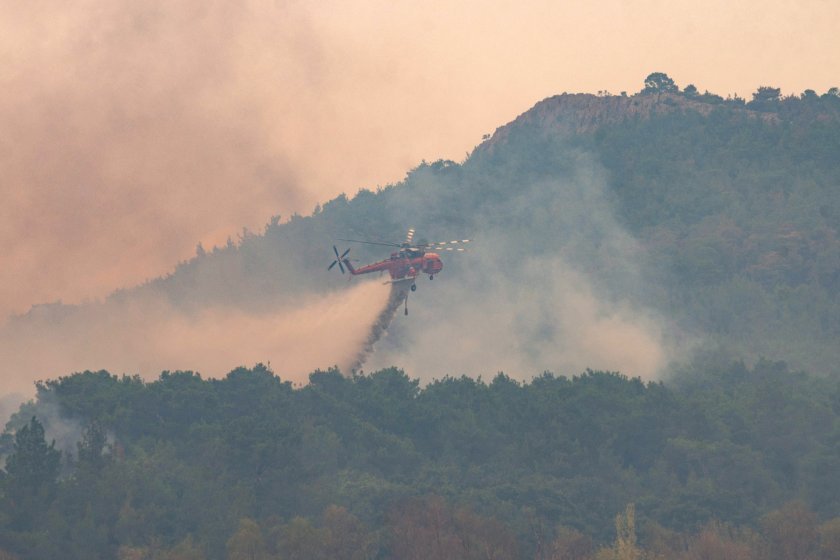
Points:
[(744, 459), (716, 218)]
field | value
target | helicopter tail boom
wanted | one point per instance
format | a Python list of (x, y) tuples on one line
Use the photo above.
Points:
[(350, 267)]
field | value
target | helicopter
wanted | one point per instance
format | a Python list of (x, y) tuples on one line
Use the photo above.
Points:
[(405, 264)]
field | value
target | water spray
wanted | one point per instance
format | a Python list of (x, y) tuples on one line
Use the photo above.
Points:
[(397, 296)]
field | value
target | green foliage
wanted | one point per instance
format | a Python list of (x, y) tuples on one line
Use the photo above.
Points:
[(765, 98), (739, 218), (33, 465), (247, 543), (660, 82), (92, 449), (249, 467), (29, 487)]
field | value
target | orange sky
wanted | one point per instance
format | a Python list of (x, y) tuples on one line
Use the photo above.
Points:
[(129, 130)]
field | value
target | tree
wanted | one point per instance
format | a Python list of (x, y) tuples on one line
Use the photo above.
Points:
[(91, 449), (691, 91), (790, 533), (483, 538), (423, 529), (570, 544), (428, 528), (186, 550), (625, 547), (717, 542), (660, 82), (809, 95), (247, 542), (32, 472), (765, 97), (625, 535), (300, 540), (33, 464), (830, 539), (346, 538)]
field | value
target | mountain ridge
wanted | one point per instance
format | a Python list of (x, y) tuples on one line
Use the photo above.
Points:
[(582, 113), (733, 203)]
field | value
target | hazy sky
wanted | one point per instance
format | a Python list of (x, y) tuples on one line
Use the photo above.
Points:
[(129, 131)]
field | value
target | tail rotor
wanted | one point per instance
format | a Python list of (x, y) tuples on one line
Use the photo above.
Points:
[(338, 259)]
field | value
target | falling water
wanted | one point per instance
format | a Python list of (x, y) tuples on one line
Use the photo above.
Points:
[(398, 295)]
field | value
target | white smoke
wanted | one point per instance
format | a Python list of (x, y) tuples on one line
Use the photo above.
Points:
[(145, 335), (551, 282)]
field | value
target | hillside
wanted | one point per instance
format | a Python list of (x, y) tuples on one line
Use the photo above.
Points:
[(666, 236), (713, 222), (726, 214)]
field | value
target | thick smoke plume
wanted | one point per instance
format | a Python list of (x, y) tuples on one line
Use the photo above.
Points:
[(148, 335), (553, 320), (131, 131), (551, 282)]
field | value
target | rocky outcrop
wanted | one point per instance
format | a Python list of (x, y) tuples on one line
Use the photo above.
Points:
[(576, 113)]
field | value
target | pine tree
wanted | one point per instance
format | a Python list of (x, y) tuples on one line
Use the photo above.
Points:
[(33, 465)]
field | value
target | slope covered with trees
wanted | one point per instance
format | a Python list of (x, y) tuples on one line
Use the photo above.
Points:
[(732, 207), (184, 463), (736, 205)]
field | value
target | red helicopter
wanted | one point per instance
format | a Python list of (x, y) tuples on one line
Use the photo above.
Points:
[(405, 264)]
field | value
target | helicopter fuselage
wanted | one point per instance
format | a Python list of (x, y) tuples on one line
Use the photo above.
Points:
[(403, 264)]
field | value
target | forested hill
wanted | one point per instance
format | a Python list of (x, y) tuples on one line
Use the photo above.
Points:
[(717, 217), (712, 221), (723, 462)]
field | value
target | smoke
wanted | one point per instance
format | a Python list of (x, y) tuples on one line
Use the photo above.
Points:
[(551, 282), (145, 335), (127, 140), (65, 432), (133, 131), (9, 404), (59, 429), (549, 318)]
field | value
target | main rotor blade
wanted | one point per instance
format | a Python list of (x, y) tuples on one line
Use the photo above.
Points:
[(442, 243), (341, 266), (336, 253), (332, 265), (371, 242), (344, 254)]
